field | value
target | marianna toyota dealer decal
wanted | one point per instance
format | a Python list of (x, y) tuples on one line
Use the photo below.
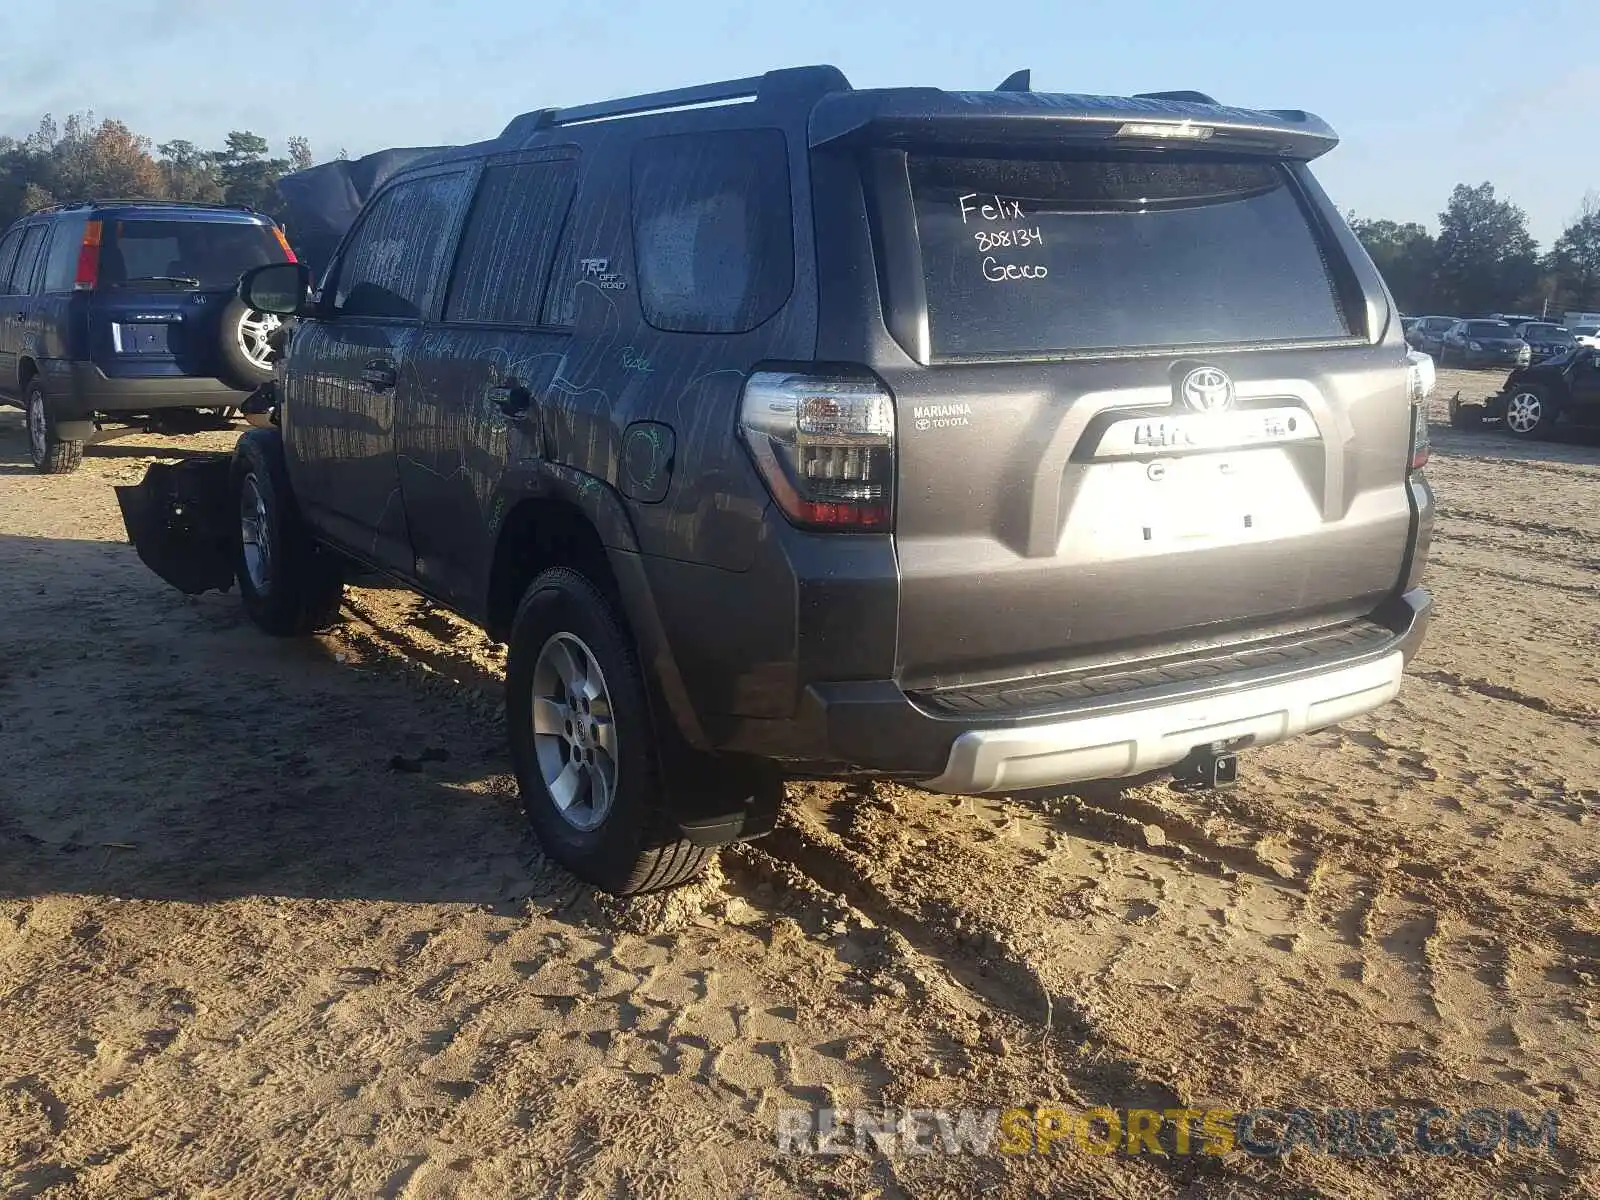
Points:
[(942, 416)]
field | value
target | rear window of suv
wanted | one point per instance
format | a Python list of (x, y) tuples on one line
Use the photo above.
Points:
[(170, 254), (1024, 256)]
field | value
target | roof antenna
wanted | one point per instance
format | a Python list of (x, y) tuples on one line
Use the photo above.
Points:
[(1017, 81)]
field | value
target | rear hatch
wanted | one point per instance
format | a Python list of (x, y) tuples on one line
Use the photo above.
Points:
[(163, 282), (1138, 406)]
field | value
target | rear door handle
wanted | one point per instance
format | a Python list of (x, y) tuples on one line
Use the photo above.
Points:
[(379, 376), (512, 399)]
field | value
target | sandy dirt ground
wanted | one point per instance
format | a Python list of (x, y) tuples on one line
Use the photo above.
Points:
[(271, 923)]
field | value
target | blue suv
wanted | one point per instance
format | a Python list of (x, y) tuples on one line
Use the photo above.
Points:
[(121, 307)]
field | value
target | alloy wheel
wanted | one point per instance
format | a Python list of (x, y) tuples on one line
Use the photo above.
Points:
[(1523, 412), (38, 430), (255, 534), (574, 731), (255, 328)]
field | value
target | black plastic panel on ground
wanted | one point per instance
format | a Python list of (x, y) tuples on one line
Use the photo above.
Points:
[(1043, 694)]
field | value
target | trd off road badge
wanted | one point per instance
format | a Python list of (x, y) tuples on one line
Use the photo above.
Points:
[(598, 272)]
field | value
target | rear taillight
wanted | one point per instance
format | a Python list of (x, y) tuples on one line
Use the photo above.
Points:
[(824, 446), (88, 274), (1420, 380), (288, 250)]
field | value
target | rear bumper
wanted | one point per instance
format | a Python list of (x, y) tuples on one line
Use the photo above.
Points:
[(1162, 735), (79, 388), (873, 727)]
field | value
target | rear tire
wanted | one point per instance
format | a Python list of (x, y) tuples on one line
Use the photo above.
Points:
[(1529, 411), (579, 723), (51, 455), (289, 585)]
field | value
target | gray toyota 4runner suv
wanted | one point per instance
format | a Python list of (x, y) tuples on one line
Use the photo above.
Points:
[(990, 441)]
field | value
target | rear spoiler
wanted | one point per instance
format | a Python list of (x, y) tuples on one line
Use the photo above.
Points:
[(905, 116)]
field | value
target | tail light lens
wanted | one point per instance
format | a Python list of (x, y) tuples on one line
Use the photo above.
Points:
[(1420, 379), (283, 243), (88, 273), (824, 446)]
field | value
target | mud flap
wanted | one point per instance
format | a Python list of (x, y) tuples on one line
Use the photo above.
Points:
[(181, 522), (262, 401), (714, 802)]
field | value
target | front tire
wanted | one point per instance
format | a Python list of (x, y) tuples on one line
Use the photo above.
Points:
[(290, 587), (583, 742), (1529, 412), (51, 455)]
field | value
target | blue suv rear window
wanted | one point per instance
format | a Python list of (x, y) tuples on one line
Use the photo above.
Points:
[(1029, 256), (207, 254)]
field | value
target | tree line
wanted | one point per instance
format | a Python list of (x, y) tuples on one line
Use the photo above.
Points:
[(81, 158), (1484, 260)]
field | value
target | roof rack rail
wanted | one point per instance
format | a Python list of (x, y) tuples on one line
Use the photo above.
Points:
[(1183, 96), (796, 82), (98, 201), (529, 122)]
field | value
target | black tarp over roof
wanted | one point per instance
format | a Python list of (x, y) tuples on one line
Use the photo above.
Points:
[(322, 201)]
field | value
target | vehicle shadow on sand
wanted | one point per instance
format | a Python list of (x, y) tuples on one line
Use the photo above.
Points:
[(160, 747), (1572, 446), (132, 440)]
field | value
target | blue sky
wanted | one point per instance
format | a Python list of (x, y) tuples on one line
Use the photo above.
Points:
[(1424, 95)]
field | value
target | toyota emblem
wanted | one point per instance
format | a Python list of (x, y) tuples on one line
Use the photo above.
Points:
[(1207, 389)]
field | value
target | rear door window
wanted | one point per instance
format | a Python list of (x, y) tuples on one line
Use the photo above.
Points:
[(712, 229), (25, 273), (8, 258), (158, 255), (395, 263), (1027, 256), (61, 260), (509, 242)]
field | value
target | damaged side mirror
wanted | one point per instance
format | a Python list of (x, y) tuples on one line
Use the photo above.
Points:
[(283, 289)]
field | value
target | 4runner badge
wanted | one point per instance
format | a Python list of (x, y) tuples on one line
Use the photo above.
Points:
[(598, 272)]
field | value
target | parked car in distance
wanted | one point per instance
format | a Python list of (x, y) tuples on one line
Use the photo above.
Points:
[(1482, 343), (1537, 399), (989, 442), (1587, 335), (122, 307), (1545, 339), (1426, 333)]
